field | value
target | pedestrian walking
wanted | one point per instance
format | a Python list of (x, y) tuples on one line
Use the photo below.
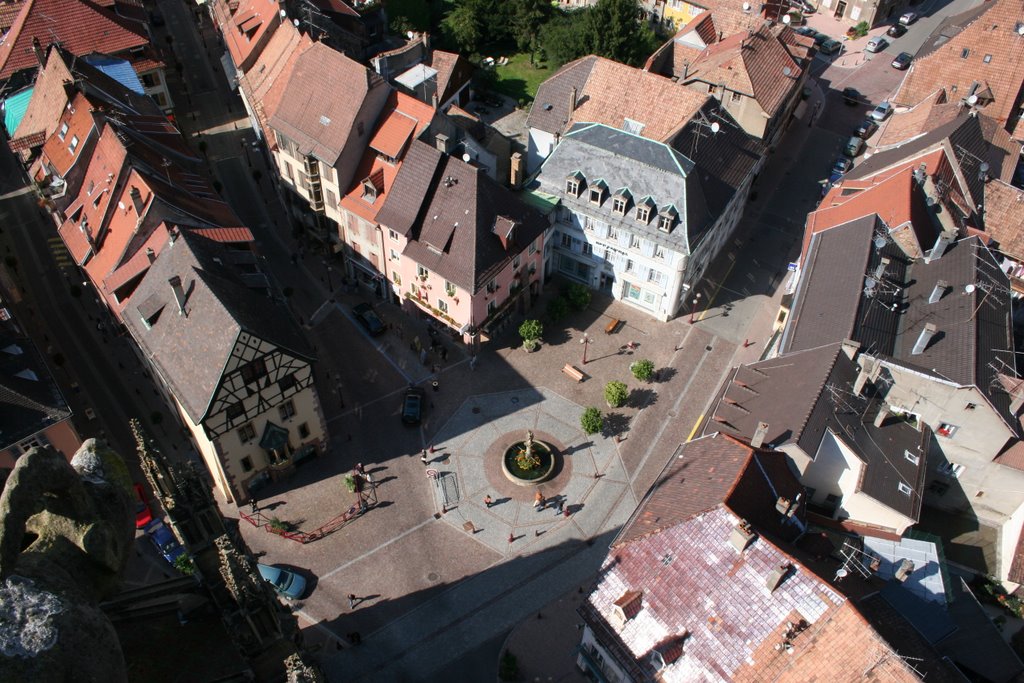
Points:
[(423, 457), (565, 512), (360, 469), (351, 600), (255, 505), (444, 353), (488, 501), (538, 501), (559, 507), (472, 363)]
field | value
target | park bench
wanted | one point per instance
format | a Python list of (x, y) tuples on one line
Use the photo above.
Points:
[(612, 325), (573, 372)]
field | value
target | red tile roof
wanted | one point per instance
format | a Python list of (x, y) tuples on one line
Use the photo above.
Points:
[(8, 13), (49, 98), (264, 83), (227, 235), (453, 73), (244, 25), (79, 120), (986, 56), (923, 117), (393, 134), (1004, 217), (81, 26)]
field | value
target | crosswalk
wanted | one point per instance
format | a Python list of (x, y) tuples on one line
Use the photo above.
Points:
[(60, 253)]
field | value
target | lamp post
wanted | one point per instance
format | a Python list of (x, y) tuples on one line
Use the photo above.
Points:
[(693, 310), (586, 341), (330, 284)]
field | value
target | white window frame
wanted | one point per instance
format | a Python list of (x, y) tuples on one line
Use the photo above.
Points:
[(951, 469), (442, 306), (912, 457), (904, 489), (946, 430), (63, 132)]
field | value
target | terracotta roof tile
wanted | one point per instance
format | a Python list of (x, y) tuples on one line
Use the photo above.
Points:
[(8, 13), (923, 117), (265, 82), (80, 26), (987, 52), (453, 73), (227, 235), (49, 98), (393, 134), (245, 27), (1004, 217)]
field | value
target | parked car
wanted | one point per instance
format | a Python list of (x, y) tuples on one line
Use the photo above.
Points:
[(804, 6), (854, 146), (851, 96), (902, 60), (164, 541), (830, 47), (876, 44), (286, 582), (896, 30), (881, 112), (908, 18), (412, 406), (866, 129), (820, 38), (143, 514), (368, 318), (842, 165), (806, 31)]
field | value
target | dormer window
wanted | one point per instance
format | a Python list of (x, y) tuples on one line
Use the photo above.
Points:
[(63, 131), (597, 192), (621, 202), (643, 213), (626, 607), (667, 219), (574, 184), (73, 145), (369, 191)]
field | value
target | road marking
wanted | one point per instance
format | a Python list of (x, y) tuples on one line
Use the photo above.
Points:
[(711, 301), (695, 426), (380, 547)]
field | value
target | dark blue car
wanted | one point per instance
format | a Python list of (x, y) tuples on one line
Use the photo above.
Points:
[(164, 541)]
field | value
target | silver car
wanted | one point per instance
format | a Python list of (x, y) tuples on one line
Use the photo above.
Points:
[(876, 44)]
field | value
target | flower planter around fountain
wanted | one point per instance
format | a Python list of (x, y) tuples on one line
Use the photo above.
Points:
[(515, 467)]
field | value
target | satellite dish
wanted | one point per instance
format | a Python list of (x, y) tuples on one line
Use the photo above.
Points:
[(466, 157), (879, 242), (296, 22), (786, 19), (969, 289), (715, 127), (746, 7), (929, 200), (1020, 29), (984, 167), (841, 572), (786, 71), (972, 100)]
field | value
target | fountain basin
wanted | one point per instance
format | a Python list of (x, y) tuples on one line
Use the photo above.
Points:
[(520, 477)]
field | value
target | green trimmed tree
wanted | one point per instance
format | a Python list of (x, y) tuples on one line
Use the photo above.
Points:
[(591, 421), (557, 309), (578, 296), (531, 331), (616, 393), (642, 369)]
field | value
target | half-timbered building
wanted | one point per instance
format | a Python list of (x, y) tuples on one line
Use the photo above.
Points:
[(231, 360)]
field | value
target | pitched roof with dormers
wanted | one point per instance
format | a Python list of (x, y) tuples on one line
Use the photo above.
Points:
[(245, 25), (321, 100), (402, 120), (264, 84), (30, 400), (222, 302), (448, 211), (80, 26), (673, 583), (985, 57), (607, 93), (904, 126)]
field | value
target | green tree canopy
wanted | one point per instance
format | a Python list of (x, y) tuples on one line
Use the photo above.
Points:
[(611, 28)]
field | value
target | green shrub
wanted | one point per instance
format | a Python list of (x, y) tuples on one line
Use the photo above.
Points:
[(642, 369), (350, 483), (578, 295), (591, 421), (185, 565), (616, 393), (557, 309), (861, 29), (531, 330), (508, 667)]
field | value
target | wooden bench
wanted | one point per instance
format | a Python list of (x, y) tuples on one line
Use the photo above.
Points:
[(612, 325), (573, 372)]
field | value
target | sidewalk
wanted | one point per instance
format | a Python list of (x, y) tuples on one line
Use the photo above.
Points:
[(852, 54)]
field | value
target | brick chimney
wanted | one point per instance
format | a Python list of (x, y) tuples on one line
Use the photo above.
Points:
[(179, 293), (441, 141), (137, 202), (40, 53), (759, 434), (515, 177)]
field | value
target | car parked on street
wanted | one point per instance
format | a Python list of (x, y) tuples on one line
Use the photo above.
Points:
[(876, 44), (908, 18), (853, 147), (143, 514), (820, 38), (287, 583), (805, 31), (902, 60), (830, 47), (368, 318), (851, 96), (412, 406), (164, 541), (881, 112), (842, 165), (896, 30), (866, 129)]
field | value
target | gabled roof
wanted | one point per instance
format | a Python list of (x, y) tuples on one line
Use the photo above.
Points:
[(686, 582), (606, 92), (81, 26), (453, 73), (264, 84), (30, 400), (244, 25), (192, 350), (925, 116), (321, 100), (986, 56), (1004, 218), (448, 210)]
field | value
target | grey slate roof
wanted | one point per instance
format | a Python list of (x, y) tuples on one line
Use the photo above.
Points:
[(191, 351), (449, 211), (975, 332), (30, 400), (804, 394), (644, 167), (550, 109)]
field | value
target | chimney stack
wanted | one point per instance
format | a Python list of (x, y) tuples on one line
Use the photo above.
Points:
[(150, 254), (938, 292), (441, 140), (137, 202), (37, 49), (179, 293), (759, 434), (922, 341), (572, 100), (941, 244), (516, 171), (883, 412)]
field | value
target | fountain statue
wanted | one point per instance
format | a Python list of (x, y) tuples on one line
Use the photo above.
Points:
[(528, 462)]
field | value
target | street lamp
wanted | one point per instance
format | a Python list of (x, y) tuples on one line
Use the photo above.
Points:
[(586, 341), (330, 284), (693, 310)]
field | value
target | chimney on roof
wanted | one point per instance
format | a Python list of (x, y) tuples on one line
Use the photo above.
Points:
[(777, 576), (941, 244), (515, 177), (137, 202), (572, 100), (37, 49), (759, 434), (903, 571), (179, 293), (425, 39), (441, 141), (150, 254), (925, 337), (938, 292), (172, 235), (883, 412), (850, 348), (742, 536)]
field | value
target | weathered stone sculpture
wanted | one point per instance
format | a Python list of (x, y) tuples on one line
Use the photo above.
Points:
[(65, 535)]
